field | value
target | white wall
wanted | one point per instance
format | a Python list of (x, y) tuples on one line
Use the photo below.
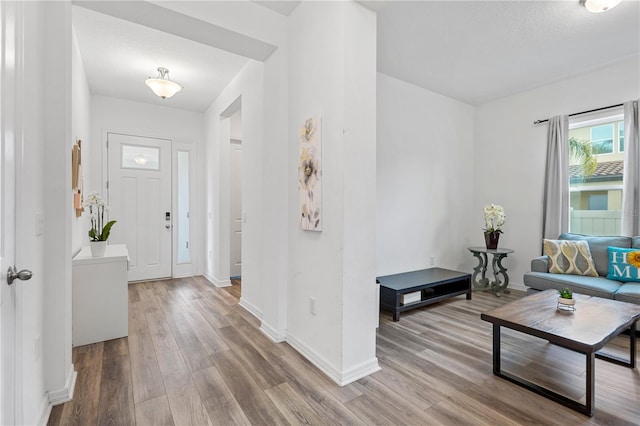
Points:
[(57, 137), (136, 118), (247, 85), (425, 180), (275, 187), (80, 129), (510, 152), (332, 75)]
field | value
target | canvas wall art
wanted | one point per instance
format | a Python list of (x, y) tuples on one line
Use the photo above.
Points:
[(310, 175)]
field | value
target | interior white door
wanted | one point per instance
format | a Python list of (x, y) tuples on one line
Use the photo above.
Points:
[(235, 196), (139, 188), (8, 128)]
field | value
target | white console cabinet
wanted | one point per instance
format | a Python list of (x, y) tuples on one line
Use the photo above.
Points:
[(100, 295)]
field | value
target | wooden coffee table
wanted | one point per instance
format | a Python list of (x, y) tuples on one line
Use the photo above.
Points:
[(587, 330)]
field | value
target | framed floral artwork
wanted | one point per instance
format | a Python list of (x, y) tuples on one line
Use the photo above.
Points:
[(310, 175)]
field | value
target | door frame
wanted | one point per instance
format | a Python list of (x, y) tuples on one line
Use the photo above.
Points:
[(177, 270)]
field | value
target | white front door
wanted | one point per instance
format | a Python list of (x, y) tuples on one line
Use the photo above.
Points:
[(139, 188), (10, 132)]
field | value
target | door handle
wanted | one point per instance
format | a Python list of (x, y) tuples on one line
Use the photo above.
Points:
[(13, 274), (168, 226)]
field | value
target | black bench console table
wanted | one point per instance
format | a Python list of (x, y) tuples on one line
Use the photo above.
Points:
[(410, 290)]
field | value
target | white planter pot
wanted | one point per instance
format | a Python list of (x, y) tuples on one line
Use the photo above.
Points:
[(566, 304), (97, 248)]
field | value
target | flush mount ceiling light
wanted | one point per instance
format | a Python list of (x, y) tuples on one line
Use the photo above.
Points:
[(161, 85), (597, 6)]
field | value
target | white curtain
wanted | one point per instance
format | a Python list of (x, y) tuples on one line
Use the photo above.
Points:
[(631, 179), (555, 214)]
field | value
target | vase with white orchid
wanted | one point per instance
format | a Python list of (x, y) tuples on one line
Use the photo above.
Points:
[(494, 220), (99, 231)]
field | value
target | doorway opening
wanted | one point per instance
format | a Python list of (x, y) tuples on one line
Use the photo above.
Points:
[(233, 117)]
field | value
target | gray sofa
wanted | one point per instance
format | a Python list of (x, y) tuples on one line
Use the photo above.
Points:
[(540, 279)]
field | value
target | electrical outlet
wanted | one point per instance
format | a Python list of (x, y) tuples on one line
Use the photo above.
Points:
[(432, 261), (312, 305)]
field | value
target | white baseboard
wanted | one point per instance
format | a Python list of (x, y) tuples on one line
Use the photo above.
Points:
[(276, 335), (342, 378), (65, 394), (45, 411), (185, 275), (217, 282), (360, 371), (517, 286), (251, 308)]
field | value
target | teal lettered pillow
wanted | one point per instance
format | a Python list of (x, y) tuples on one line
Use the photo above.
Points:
[(624, 264)]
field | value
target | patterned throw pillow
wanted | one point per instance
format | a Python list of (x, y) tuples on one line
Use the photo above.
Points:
[(569, 257), (624, 264)]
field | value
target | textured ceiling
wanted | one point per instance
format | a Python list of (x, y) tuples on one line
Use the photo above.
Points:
[(473, 51), (477, 51), (119, 56)]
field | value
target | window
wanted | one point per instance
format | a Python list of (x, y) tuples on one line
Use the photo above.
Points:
[(139, 157), (602, 139), (595, 180)]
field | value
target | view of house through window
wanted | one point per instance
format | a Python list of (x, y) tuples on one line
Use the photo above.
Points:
[(596, 158)]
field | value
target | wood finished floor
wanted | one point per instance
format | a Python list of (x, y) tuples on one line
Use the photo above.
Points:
[(195, 357)]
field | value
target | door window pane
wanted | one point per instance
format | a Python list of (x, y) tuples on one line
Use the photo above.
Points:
[(140, 157)]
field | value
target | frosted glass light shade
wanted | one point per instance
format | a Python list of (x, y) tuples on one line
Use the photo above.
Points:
[(597, 6), (162, 86)]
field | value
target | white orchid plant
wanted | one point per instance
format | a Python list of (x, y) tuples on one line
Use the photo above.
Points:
[(96, 206), (493, 218)]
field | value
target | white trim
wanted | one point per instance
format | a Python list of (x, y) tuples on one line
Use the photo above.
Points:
[(45, 411), (251, 308), (217, 282), (314, 358), (596, 118), (185, 275), (581, 188), (65, 394), (342, 378), (359, 371), (517, 286), (277, 336)]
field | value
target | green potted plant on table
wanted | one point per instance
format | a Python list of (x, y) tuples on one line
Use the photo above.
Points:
[(99, 232), (566, 302)]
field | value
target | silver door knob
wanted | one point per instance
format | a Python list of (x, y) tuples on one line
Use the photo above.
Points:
[(168, 226), (23, 275)]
